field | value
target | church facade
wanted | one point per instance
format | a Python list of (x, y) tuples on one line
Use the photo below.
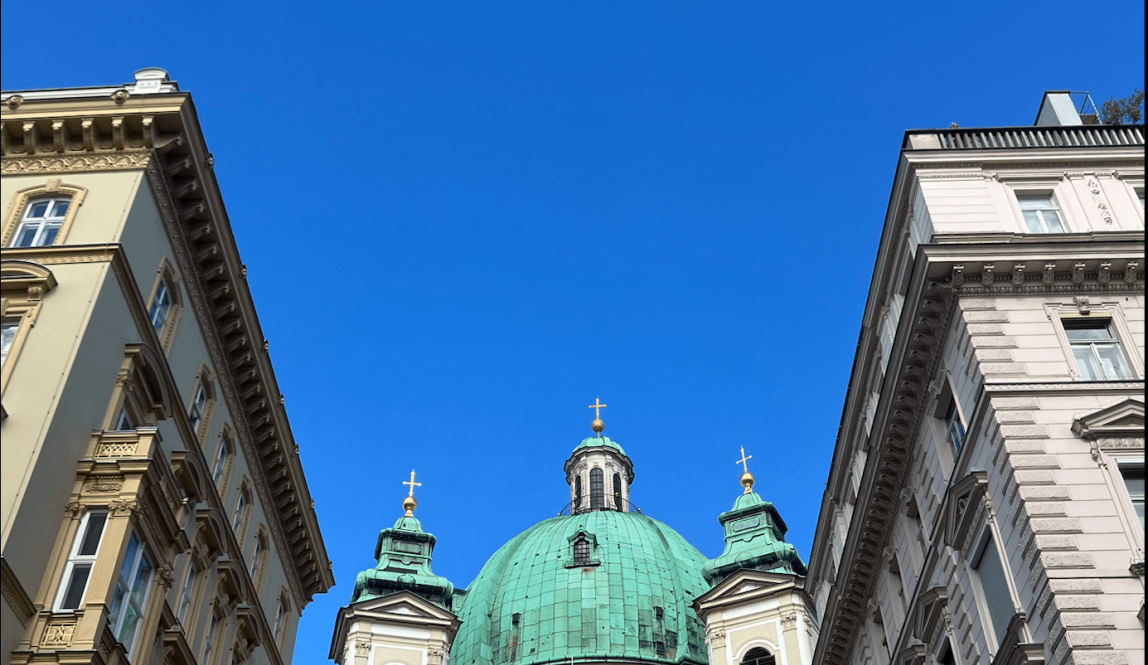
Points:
[(600, 583)]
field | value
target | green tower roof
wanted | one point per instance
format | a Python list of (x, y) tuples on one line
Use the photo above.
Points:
[(596, 441), (531, 603), (754, 538), (403, 553)]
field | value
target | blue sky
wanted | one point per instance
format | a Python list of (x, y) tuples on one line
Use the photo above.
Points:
[(464, 222)]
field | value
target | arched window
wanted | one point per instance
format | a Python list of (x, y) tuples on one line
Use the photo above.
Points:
[(758, 656), (581, 552), (577, 492), (41, 222), (41, 215), (597, 490), (618, 492), (165, 304)]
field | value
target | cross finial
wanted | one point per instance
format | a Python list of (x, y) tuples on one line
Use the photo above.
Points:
[(597, 425), (409, 503), (412, 483), (746, 476), (743, 460)]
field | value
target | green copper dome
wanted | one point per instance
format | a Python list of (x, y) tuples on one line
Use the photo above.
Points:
[(596, 441), (628, 597)]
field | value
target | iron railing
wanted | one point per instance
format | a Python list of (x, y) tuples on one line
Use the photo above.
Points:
[(585, 505), (1078, 136)]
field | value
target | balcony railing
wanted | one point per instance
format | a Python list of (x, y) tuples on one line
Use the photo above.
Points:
[(1012, 138), (585, 505)]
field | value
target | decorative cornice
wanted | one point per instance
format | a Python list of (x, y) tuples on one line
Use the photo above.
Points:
[(14, 593), (74, 163)]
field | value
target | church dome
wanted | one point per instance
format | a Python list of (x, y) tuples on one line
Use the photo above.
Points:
[(597, 586)]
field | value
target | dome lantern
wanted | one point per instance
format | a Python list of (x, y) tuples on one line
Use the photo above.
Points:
[(598, 472)]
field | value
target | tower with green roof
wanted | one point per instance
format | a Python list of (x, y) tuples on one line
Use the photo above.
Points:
[(599, 583)]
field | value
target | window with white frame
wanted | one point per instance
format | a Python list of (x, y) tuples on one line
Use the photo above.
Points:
[(160, 306), (990, 572), (131, 593), (1132, 470), (41, 222), (7, 335), (240, 509), (220, 461), (124, 421), (198, 404), (209, 641), (280, 615), (253, 567), (1096, 349), (1041, 214), (185, 593), (81, 558)]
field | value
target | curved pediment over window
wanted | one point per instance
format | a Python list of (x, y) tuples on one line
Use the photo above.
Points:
[(1123, 419)]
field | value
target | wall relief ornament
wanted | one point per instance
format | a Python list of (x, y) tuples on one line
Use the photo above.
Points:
[(76, 163), (362, 647), (103, 484), (123, 507)]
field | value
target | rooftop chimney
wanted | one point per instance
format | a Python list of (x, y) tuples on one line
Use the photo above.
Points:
[(1058, 108)]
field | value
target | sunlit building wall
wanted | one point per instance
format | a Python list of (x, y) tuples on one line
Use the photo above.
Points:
[(153, 505)]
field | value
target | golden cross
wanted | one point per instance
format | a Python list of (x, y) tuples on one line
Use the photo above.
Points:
[(412, 483), (597, 408), (743, 460)]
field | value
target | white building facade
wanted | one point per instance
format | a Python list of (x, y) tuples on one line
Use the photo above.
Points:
[(985, 502)]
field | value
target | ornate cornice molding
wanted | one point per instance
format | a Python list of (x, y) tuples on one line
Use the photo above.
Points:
[(915, 359), (74, 163)]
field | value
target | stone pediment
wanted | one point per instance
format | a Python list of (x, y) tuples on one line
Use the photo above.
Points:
[(962, 509), (1123, 419), (747, 584), (403, 606)]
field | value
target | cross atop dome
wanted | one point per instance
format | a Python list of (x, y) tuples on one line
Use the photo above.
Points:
[(597, 425)]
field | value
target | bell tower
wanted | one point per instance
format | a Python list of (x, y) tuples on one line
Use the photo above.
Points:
[(598, 471), (400, 611), (757, 611)]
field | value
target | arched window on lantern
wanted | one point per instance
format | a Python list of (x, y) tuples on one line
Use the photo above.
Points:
[(758, 656), (597, 490), (577, 493), (618, 492)]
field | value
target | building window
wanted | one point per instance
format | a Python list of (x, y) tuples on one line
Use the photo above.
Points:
[(198, 404), (597, 489), (41, 222), (124, 421), (1132, 470), (220, 461), (240, 511), (160, 306), (954, 428), (617, 492), (256, 564), (577, 492), (581, 552), (945, 654), (209, 641), (131, 593), (986, 561), (1040, 213), (1097, 351), (7, 336), (185, 593), (81, 558), (758, 656)]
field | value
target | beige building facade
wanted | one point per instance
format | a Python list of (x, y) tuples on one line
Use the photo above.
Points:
[(985, 502), (153, 508)]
